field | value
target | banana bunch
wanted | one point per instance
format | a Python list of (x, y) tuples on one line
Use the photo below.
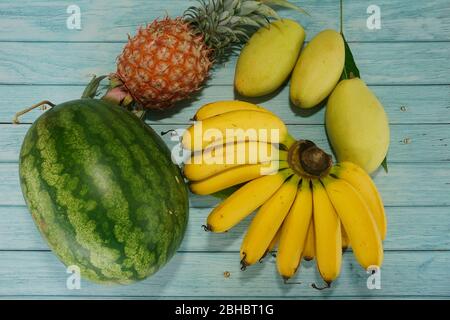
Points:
[(306, 205), (233, 142)]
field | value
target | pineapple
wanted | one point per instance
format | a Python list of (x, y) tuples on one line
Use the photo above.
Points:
[(169, 59)]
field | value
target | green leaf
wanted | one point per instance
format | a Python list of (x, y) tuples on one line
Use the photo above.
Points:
[(91, 89), (248, 7), (230, 5), (268, 12), (285, 4), (350, 69), (385, 165), (246, 21)]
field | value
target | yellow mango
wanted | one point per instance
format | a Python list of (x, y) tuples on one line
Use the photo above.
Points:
[(357, 125), (318, 69), (268, 58)]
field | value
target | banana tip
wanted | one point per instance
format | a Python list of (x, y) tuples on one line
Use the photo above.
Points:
[(207, 227), (327, 286), (244, 263)]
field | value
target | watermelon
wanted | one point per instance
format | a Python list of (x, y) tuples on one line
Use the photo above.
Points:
[(103, 191)]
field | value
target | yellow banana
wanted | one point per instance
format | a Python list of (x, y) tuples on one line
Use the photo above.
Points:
[(220, 107), (357, 220), (309, 251), (206, 163), (345, 240), (294, 232), (328, 234), (235, 126), (362, 182), (267, 221), (235, 176), (273, 243), (244, 201)]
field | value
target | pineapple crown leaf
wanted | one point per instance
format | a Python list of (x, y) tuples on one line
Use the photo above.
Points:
[(229, 5), (285, 4), (227, 24), (260, 20), (239, 21), (266, 11), (249, 7), (224, 16)]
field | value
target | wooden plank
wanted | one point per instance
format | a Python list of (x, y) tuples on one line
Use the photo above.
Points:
[(202, 274), (72, 63), (403, 104), (429, 231), (31, 20), (81, 297), (409, 143), (407, 184), (429, 21)]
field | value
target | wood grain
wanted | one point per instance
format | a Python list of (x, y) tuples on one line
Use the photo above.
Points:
[(201, 274), (404, 104), (103, 20), (409, 142), (407, 184), (429, 231), (73, 63)]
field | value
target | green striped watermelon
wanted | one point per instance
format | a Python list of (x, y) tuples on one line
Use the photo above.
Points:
[(103, 191)]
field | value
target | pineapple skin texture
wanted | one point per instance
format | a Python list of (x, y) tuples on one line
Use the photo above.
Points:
[(165, 62), (357, 125), (268, 58), (318, 69)]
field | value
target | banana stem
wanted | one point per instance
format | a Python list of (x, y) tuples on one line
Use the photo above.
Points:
[(308, 160), (15, 119)]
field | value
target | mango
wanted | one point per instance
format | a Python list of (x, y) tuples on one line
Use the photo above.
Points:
[(268, 58), (318, 69), (357, 125)]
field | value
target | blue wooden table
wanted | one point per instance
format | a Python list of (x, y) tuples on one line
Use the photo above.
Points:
[(406, 63)]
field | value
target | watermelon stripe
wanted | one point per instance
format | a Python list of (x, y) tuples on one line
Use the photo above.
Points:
[(135, 182), (79, 222), (174, 170), (83, 226), (57, 236), (169, 177), (98, 216), (117, 180), (139, 154), (135, 123)]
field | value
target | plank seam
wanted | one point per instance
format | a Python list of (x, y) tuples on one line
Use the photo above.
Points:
[(287, 123), (125, 41), (220, 84), (231, 251), (227, 297), (386, 206)]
